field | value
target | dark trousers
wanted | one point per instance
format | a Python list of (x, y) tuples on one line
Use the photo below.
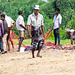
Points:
[(1, 45), (56, 35)]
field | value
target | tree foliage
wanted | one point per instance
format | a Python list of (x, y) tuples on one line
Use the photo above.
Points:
[(67, 7)]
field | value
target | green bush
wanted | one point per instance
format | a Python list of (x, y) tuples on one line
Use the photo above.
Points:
[(71, 24), (67, 7)]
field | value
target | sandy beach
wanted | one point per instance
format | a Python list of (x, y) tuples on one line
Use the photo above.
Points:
[(53, 62)]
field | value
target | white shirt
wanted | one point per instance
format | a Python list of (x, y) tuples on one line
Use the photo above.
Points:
[(72, 32), (20, 21), (9, 20), (35, 22), (57, 20)]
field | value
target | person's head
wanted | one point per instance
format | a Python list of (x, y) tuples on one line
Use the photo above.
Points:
[(3, 17), (36, 9), (20, 13), (68, 31), (4, 13), (57, 10)]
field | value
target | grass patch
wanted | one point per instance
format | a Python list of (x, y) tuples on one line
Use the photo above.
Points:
[(63, 42), (28, 41)]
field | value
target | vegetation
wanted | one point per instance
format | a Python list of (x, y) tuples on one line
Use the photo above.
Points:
[(67, 7), (28, 41)]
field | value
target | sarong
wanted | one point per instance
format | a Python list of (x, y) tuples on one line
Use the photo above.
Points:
[(37, 38)]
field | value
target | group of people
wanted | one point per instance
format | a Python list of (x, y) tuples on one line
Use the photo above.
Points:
[(35, 20), (5, 27)]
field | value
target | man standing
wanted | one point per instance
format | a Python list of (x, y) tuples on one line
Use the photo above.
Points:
[(36, 22), (57, 23), (20, 27), (1, 35), (9, 21), (5, 32)]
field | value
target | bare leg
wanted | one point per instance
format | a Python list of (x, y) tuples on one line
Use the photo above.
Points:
[(20, 42), (38, 54), (8, 45), (11, 42), (33, 54), (71, 41)]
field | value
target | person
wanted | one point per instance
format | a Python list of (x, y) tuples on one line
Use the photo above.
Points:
[(36, 22), (1, 35), (57, 23), (20, 27), (72, 33), (9, 21), (5, 25)]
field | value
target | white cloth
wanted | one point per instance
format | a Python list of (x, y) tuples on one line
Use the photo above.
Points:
[(9, 20), (20, 21), (4, 41), (72, 32), (35, 22), (57, 20)]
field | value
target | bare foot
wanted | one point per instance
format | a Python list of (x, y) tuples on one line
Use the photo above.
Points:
[(18, 51), (3, 52), (33, 57), (13, 47), (39, 56), (8, 51)]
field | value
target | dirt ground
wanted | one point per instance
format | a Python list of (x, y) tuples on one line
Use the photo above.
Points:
[(53, 62)]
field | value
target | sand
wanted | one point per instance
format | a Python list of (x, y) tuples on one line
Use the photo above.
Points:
[(53, 62)]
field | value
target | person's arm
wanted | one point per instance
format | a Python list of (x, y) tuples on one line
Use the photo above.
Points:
[(71, 37), (12, 22), (60, 20), (13, 25), (23, 27), (42, 27), (28, 26), (59, 28), (52, 26)]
